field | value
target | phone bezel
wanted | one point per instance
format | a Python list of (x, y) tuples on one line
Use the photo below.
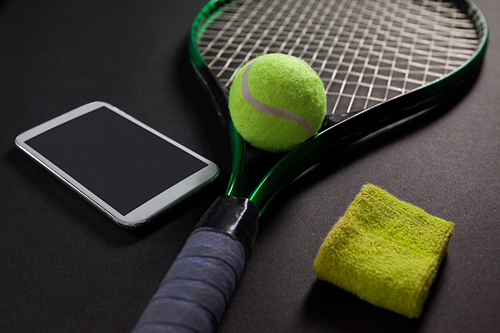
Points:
[(145, 212)]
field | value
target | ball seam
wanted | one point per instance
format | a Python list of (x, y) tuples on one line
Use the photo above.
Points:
[(271, 110)]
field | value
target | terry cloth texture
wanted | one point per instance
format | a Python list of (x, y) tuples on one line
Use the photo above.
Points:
[(385, 251)]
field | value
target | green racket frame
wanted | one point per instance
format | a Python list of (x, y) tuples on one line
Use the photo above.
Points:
[(336, 135)]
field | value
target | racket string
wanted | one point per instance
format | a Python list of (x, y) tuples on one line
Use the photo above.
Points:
[(365, 51)]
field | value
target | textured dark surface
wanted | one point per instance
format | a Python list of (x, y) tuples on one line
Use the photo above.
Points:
[(64, 267)]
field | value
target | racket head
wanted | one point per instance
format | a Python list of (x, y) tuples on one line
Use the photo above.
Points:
[(380, 60)]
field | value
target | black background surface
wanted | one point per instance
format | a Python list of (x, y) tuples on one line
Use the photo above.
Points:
[(65, 267)]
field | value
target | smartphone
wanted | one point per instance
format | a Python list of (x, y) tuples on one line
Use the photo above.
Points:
[(126, 169)]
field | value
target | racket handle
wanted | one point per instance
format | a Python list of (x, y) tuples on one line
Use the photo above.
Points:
[(198, 287)]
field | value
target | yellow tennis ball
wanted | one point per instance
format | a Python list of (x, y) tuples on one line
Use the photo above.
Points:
[(277, 102)]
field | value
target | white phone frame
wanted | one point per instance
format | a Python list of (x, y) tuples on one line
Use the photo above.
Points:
[(145, 212)]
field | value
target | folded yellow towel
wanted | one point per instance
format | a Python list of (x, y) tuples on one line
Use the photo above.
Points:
[(385, 251)]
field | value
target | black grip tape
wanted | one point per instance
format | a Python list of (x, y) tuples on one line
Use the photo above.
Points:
[(237, 217)]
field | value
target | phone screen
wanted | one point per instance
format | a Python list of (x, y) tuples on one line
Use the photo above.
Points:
[(118, 160)]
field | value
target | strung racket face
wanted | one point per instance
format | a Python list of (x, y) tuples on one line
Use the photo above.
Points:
[(365, 51), (379, 60)]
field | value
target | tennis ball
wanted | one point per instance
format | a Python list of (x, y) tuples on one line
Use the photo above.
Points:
[(277, 102)]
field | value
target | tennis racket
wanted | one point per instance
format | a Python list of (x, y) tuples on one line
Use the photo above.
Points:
[(380, 61)]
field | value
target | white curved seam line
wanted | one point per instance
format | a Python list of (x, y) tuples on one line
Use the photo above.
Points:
[(266, 109)]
